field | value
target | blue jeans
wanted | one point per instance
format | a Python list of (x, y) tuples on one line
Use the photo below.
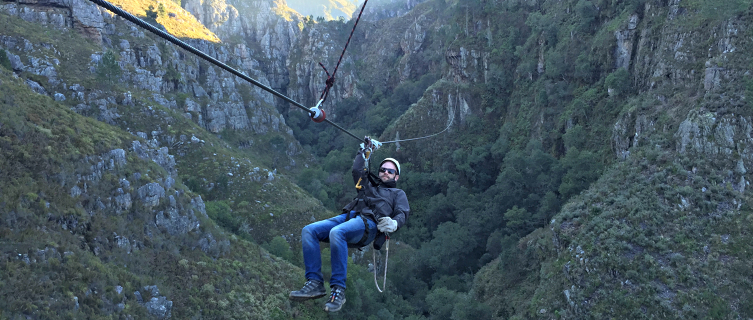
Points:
[(340, 231)]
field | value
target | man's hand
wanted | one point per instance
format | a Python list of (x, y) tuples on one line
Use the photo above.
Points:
[(387, 225)]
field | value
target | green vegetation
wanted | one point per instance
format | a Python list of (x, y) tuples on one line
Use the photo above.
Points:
[(183, 25), (108, 70), (4, 61), (537, 144), (567, 188), (41, 141)]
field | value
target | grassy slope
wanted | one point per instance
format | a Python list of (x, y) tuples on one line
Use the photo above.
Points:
[(43, 143), (183, 25)]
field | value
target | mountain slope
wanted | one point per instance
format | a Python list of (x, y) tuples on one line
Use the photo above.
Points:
[(93, 225), (96, 219)]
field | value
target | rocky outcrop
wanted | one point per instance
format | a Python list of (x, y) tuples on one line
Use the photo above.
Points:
[(385, 9), (254, 23), (467, 65), (626, 40), (81, 15), (157, 305), (219, 104), (316, 45)]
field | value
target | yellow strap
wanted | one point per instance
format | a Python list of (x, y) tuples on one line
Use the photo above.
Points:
[(358, 184)]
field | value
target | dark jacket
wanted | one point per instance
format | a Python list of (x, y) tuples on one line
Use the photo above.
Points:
[(377, 201)]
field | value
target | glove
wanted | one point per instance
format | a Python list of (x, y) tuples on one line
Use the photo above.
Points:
[(387, 225)]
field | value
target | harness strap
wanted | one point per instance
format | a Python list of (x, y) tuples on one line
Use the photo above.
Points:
[(362, 242), (365, 236)]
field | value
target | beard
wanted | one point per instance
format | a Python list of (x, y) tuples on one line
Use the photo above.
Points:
[(391, 183)]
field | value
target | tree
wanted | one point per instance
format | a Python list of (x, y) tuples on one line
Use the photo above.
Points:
[(279, 247), (109, 69), (4, 61), (161, 10), (151, 13), (582, 168), (441, 301), (587, 12), (519, 221), (619, 81), (447, 253)]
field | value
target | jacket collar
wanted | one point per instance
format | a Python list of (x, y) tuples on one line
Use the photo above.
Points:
[(390, 184)]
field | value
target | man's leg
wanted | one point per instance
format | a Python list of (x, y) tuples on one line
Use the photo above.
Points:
[(350, 231), (310, 237)]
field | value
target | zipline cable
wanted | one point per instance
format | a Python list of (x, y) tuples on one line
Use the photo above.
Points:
[(164, 35)]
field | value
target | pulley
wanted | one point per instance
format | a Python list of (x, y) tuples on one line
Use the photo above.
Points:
[(317, 114)]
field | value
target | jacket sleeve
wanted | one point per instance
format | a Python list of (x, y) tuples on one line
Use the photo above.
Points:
[(401, 210), (360, 168)]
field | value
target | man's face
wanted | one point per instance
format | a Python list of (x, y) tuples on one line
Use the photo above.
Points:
[(384, 172)]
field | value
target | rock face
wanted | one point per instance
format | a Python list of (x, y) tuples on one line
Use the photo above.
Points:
[(380, 10), (255, 23), (157, 305), (218, 103), (625, 42), (80, 15), (709, 129)]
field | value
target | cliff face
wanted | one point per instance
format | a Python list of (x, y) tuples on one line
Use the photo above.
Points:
[(216, 100), (258, 25), (682, 146)]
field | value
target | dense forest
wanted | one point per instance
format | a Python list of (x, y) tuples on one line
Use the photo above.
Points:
[(594, 166)]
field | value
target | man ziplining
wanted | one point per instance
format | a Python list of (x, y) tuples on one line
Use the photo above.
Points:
[(379, 209)]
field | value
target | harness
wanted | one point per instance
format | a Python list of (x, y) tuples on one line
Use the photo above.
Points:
[(361, 204)]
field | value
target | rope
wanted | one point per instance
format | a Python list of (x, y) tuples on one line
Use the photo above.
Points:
[(429, 136), (386, 255), (164, 35), (331, 79)]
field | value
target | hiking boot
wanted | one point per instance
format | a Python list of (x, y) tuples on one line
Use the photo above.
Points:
[(311, 290), (336, 299)]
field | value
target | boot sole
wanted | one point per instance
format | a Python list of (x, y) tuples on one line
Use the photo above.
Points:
[(304, 298), (326, 307)]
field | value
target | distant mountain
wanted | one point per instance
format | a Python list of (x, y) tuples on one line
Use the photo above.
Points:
[(329, 9)]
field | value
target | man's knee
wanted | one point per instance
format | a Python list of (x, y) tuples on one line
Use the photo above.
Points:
[(336, 233), (308, 231)]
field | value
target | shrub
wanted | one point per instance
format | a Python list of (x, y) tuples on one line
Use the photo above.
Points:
[(4, 60)]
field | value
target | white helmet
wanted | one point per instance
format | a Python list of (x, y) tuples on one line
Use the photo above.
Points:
[(397, 164)]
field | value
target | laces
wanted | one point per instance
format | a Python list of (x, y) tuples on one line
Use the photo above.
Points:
[(336, 294), (311, 284)]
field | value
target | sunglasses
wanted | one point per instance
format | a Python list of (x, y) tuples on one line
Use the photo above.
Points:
[(390, 171)]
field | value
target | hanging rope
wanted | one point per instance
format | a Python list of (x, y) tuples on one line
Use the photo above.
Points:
[(386, 255), (331, 78)]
